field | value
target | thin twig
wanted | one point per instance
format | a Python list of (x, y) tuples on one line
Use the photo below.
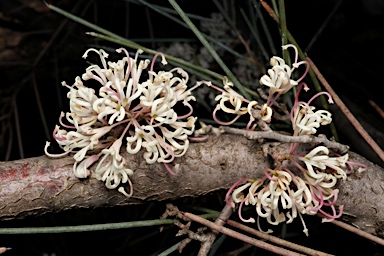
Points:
[(283, 29), (320, 139), (265, 27), (18, 128), (377, 108), (325, 23), (276, 240), (59, 29), (347, 113), (257, 38), (240, 236), (270, 11), (223, 217), (171, 249), (357, 231), (112, 37), (83, 228)]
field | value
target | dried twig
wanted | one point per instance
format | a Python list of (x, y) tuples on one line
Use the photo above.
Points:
[(240, 236), (320, 139), (223, 217), (357, 231), (377, 108), (347, 113), (276, 240), (270, 11)]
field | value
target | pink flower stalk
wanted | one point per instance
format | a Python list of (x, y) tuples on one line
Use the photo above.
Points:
[(230, 190), (250, 220)]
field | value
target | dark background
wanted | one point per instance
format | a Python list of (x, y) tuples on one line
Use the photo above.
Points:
[(39, 49)]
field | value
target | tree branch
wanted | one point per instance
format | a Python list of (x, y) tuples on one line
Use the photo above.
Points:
[(41, 185)]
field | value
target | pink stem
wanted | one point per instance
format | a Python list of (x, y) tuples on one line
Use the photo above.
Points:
[(251, 220), (232, 204)]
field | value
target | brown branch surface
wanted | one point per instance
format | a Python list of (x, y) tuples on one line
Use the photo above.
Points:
[(40, 185)]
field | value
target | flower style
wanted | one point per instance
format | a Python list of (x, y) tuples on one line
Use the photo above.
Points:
[(125, 108)]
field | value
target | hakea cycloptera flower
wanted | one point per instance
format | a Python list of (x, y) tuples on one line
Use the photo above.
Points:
[(124, 109)]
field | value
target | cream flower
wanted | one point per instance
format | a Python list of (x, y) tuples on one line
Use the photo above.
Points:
[(142, 112), (278, 78), (319, 158), (111, 167), (305, 121)]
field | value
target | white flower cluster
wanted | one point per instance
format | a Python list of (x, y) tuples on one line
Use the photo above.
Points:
[(284, 192), (231, 102), (305, 120), (278, 78), (281, 196), (142, 113), (279, 82)]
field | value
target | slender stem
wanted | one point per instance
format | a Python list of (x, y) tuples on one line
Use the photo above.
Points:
[(255, 35), (18, 128), (270, 11), (170, 249), (302, 56), (165, 12), (83, 228), (112, 37), (325, 23), (94, 227), (275, 7), (276, 240), (220, 220), (283, 29), (357, 231), (240, 236), (265, 28), (206, 44), (347, 113), (377, 108)]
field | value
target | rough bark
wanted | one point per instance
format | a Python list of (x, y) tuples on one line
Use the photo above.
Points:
[(40, 185)]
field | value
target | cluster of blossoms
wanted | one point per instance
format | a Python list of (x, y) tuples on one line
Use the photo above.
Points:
[(139, 112), (280, 195), (279, 82), (233, 103)]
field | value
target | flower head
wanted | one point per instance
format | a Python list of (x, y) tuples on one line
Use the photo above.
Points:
[(319, 158), (278, 77), (124, 108)]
